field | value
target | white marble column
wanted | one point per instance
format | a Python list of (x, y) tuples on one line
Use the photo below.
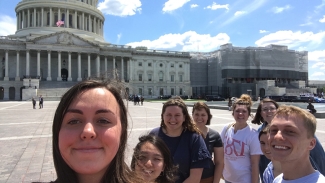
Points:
[(83, 21), (79, 67), (49, 78), (34, 18), (95, 25), (24, 19), (167, 72), (38, 63), (51, 24), (105, 67), (130, 78), (176, 71), (98, 65), (122, 69), (69, 67), (89, 23), (17, 19), (17, 67), (6, 78), (67, 19), (42, 18), (75, 19), (154, 77), (59, 14), (27, 63), (114, 68), (59, 78), (89, 73), (28, 18)]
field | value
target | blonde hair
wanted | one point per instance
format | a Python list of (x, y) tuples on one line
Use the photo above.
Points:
[(243, 100)]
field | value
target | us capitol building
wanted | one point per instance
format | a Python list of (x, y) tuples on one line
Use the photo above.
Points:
[(45, 58), (41, 54)]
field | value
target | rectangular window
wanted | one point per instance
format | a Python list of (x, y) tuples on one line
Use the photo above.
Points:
[(181, 91), (180, 65), (140, 64), (161, 76), (149, 77), (140, 77), (149, 64), (161, 91), (171, 65), (149, 91), (172, 91), (180, 78), (172, 78), (140, 91)]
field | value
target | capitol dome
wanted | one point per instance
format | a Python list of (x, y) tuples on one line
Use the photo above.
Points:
[(42, 17)]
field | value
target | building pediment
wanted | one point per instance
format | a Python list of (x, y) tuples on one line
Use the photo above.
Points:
[(63, 38)]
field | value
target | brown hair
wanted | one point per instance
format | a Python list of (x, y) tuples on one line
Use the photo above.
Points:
[(243, 100), (204, 106), (309, 120), (258, 119), (188, 123), (118, 170)]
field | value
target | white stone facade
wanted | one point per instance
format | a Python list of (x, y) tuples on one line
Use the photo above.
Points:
[(77, 51)]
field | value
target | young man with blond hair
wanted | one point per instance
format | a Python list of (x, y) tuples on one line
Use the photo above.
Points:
[(292, 136)]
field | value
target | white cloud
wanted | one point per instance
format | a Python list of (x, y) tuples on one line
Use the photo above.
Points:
[(216, 6), (318, 65), (238, 13), (316, 74), (280, 9), (194, 5), (8, 25), (188, 41), (119, 38), (120, 7), (322, 20), (292, 39), (263, 31), (172, 5), (318, 56), (248, 8)]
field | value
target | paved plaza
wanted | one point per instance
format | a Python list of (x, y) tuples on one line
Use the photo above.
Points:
[(26, 142)]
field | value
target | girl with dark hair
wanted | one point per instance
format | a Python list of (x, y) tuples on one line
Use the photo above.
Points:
[(241, 145), (90, 135), (152, 160), (184, 140), (202, 117)]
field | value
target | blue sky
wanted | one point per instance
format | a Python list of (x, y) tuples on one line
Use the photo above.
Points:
[(196, 25)]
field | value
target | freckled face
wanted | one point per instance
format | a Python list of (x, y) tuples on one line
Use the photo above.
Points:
[(90, 133)]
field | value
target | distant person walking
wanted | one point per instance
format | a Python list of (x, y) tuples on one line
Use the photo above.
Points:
[(40, 102), (34, 103)]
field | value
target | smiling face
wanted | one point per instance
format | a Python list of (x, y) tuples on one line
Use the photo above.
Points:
[(288, 139), (173, 119), (268, 110), (265, 146), (241, 114), (150, 162), (90, 133), (200, 117)]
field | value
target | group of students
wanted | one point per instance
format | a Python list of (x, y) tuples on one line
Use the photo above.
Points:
[(90, 135)]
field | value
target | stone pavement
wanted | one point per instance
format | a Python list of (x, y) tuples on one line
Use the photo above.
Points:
[(26, 143)]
